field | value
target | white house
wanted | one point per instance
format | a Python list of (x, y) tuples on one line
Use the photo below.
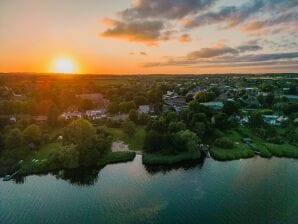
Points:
[(96, 114), (144, 109), (71, 115)]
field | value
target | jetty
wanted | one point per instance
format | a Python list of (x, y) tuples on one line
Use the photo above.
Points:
[(9, 177)]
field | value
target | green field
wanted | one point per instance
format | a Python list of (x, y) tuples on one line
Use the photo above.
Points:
[(136, 142), (116, 157), (165, 159), (284, 150), (241, 150)]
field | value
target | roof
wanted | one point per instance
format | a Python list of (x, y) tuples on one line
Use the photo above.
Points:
[(214, 104)]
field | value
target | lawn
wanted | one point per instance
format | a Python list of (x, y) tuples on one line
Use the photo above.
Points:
[(165, 159), (116, 157), (240, 150), (42, 164), (284, 150), (136, 142)]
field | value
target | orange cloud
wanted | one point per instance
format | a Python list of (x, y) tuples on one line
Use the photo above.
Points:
[(185, 38)]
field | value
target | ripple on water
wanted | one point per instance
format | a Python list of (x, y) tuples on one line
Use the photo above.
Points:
[(244, 191)]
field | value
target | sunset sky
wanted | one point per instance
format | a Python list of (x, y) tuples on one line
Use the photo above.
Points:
[(149, 36)]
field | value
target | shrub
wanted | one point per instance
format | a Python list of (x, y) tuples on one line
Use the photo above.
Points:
[(224, 143)]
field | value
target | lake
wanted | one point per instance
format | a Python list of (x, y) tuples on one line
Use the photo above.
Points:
[(244, 191)]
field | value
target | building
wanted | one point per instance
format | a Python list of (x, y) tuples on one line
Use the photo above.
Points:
[(144, 109), (72, 115), (215, 105), (292, 97), (96, 114), (176, 102), (274, 119)]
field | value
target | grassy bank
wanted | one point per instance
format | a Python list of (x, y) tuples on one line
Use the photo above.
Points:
[(165, 159), (240, 152), (135, 142), (39, 162), (284, 150), (116, 157)]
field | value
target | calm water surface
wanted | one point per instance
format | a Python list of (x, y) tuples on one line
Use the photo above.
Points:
[(244, 191)]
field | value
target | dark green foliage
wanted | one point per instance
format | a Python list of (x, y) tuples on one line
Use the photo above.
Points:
[(86, 104), (14, 139), (32, 134), (224, 143), (53, 116), (207, 96), (231, 107), (176, 126), (133, 115), (129, 127), (113, 108), (256, 120)]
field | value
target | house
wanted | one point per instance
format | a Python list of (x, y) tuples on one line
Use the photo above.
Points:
[(274, 119), (270, 119), (96, 114), (72, 115), (176, 102), (144, 109), (292, 97), (13, 119)]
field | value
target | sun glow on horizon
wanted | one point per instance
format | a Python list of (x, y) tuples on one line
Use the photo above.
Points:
[(64, 65)]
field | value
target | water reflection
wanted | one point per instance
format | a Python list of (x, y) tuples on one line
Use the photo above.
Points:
[(90, 176), (186, 165), (80, 177)]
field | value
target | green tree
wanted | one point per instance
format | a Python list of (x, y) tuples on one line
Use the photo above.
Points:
[(256, 120), (133, 115), (129, 127), (32, 134), (14, 139), (86, 104), (80, 132), (143, 119), (140, 100), (68, 156), (230, 108), (53, 115), (113, 108), (175, 127)]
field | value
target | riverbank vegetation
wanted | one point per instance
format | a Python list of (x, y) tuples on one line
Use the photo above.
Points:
[(49, 123)]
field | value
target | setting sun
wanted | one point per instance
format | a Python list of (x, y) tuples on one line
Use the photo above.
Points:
[(64, 65)]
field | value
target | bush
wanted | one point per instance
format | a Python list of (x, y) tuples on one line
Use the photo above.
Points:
[(129, 127), (224, 143)]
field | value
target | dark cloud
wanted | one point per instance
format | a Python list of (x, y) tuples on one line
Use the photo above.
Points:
[(152, 21), (165, 9), (232, 15), (229, 57), (263, 24), (140, 31), (143, 53), (249, 46), (211, 52)]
